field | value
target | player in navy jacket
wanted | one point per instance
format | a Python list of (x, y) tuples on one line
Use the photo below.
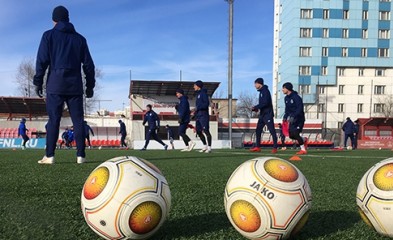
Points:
[(183, 108), (64, 52), (88, 130), (349, 129), (153, 122), (266, 115), (294, 114), (202, 116), (22, 131)]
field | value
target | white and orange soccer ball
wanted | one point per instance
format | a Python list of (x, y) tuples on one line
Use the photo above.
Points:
[(374, 197), (267, 198), (125, 198)]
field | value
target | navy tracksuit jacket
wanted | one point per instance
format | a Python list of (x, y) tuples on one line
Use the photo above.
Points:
[(202, 110), (184, 114), (294, 111)]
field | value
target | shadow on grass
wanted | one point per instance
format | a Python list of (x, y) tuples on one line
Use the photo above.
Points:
[(193, 226), (327, 222)]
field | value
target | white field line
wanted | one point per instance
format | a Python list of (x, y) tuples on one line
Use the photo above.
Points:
[(324, 155)]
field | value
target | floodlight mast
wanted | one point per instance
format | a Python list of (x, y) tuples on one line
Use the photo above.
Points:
[(230, 70)]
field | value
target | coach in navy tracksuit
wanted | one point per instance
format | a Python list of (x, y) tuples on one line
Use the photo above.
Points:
[(349, 129), (123, 133), (265, 108), (22, 131), (183, 108), (62, 52), (294, 114), (202, 116), (153, 122)]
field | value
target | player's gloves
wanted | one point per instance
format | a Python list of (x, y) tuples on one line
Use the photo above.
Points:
[(158, 129), (177, 107), (180, 121), (89, 93), (254, 109), (38, 91)]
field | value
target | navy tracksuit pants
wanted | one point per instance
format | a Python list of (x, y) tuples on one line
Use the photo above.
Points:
[(262, 121), (54, 107)]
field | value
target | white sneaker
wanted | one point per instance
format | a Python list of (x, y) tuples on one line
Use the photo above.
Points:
[(186, 149), (23, 148), (203, 150), (208, 150), (191, 146), (47, 160), (80, 160)]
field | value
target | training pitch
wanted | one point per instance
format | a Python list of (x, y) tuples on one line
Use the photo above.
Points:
[(43, 201)]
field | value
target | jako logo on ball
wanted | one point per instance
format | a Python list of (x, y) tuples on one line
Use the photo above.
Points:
[(267, 198), (125, 198)]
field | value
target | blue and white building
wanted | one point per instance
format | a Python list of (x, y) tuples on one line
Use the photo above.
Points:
[(337, 54)]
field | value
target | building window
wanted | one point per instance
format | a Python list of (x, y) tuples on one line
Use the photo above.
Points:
[(325, 13), (321, 107), (305, 51), (325, 52), (379, 107), (360, 107), (364, 34), (379, 72), (305, 32), (304, 89), (341, 107), (383, 52), (365, 15), (324, 70), (383, 34), (384, 15), (304, 70), (321, 89), (340, 89), (344, 52), (379, 89), (364, 52), (360, 89), (325, 33), (346, 14), (384, 0), (305, 13), (345, 33), (361, 72), (341, 71)]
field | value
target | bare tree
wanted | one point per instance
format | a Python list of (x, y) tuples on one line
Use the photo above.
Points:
[(25, 75), (245, 103), (24, 78), (387, 107)]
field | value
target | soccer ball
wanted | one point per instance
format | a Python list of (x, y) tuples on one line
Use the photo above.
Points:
[(349, 148), (374, 197), (125, 198), (267, 198)]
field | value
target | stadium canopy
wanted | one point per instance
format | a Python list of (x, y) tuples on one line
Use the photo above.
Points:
[(167, 88), (376, 121), (11, 107)]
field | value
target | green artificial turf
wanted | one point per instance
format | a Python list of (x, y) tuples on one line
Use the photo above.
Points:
[(43, 202)]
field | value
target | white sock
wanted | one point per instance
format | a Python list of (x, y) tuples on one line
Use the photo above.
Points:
[(302, 147), (209, 148), (204, 146)]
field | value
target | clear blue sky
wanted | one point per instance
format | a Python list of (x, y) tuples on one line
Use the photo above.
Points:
[(154, 39)]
